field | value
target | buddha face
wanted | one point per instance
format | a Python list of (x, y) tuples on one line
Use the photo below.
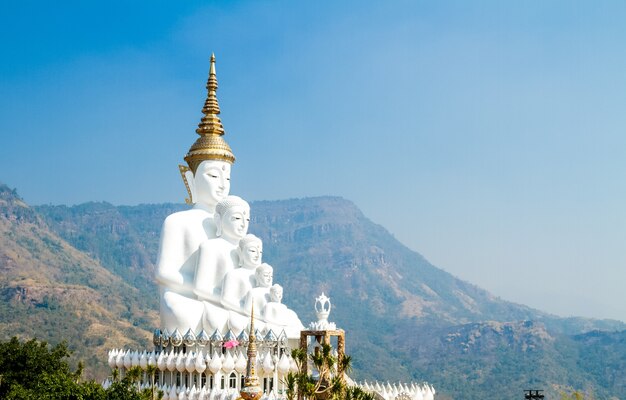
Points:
[(276, 293), (211, 182), (264, 277), (251, 254), (235, 222)]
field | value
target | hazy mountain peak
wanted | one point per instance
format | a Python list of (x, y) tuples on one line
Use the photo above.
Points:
[(13, 207)]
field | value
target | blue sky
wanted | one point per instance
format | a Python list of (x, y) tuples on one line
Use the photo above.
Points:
[(489, 136)]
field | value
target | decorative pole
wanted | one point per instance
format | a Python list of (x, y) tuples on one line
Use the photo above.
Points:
[(251, 388)]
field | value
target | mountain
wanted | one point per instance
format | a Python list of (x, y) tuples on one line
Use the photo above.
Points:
[(326, 238), (51, 291), (405, 319)]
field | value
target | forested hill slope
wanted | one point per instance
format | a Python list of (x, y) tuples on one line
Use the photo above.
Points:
[(51, 291), (328, 244)]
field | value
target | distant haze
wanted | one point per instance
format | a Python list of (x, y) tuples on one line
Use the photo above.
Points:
[(488, 136)]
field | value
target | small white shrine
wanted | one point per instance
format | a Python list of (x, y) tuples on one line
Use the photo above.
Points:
[(224, 329)]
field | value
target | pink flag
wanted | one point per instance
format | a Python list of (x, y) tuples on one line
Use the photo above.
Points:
[(231, 343)]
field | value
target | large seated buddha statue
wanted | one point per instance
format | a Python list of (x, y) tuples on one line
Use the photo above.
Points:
[(209, 272), (207, 178)]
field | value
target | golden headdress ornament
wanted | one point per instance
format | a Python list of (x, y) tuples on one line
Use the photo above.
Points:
[(211, 144)]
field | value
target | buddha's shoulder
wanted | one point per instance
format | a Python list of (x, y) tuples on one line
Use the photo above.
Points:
[(240, 272), (186, 216), (215, 244)]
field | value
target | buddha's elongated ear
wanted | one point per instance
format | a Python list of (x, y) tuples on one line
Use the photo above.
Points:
[(187, 176), (218, 224)]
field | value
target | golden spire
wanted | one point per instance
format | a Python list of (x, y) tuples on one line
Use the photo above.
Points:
[(251, 388), (210, 145), (210, 123), (252, 337)]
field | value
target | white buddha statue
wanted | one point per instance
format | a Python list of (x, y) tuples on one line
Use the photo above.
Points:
[(218, 256), (202, 246), (260, 294), (278, 316), (208, 181), (240, 280)]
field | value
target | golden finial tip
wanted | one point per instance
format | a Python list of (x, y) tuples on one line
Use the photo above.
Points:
[(212, 69)]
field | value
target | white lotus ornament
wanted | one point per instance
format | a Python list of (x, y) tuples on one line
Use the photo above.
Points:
[(322, 310)]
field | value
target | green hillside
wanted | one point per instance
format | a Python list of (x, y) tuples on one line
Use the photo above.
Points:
[(51, 291)]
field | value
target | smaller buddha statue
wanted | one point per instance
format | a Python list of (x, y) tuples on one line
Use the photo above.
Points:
[(217, 257), (272, 311), (239, 281), (260, 294), (278, 316)]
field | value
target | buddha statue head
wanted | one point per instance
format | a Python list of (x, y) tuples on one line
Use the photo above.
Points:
[(250, 251), (209, 184), (209, 160), (264, 275), (232, 217), (276, 293)]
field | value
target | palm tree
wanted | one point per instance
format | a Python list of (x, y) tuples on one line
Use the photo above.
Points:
[(133, 374), (151, 371), (330, 382)]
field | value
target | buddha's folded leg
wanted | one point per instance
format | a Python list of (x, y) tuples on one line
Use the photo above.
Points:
[(214, 317), (238, 322), (180, 312)]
